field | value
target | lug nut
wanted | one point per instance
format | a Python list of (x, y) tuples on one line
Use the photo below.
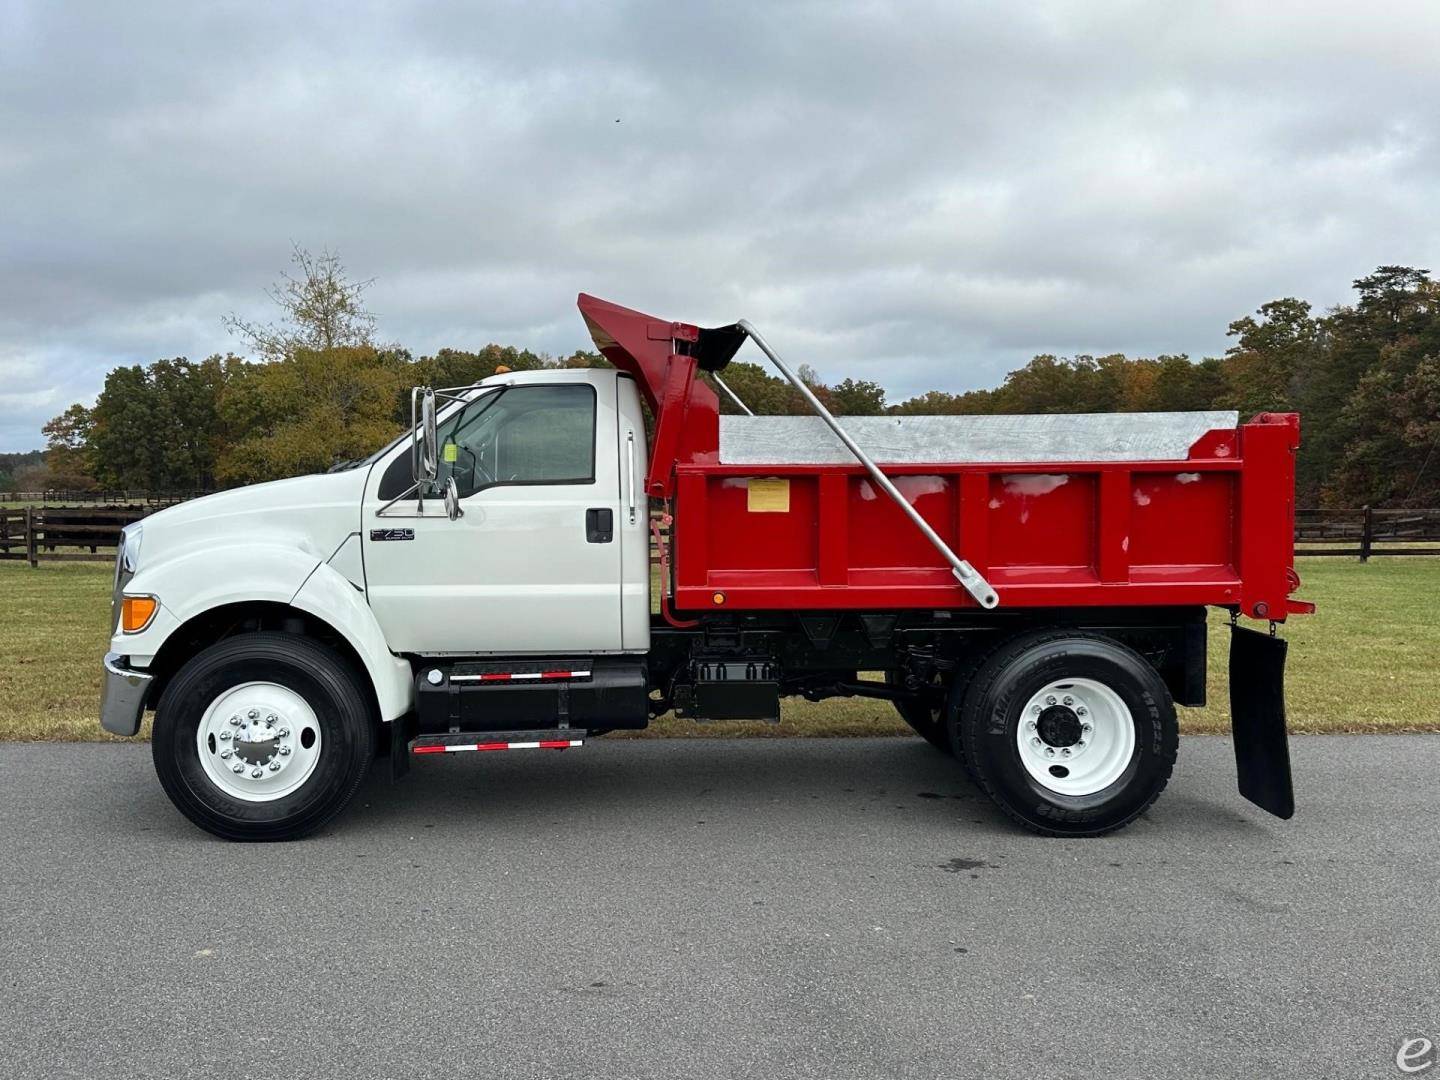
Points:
[(1065, 752), (1036, 710), (256, 773), (1036, 743), (253, 713), (224, 735), (271, 718), (1081, 744), (274, 766), (1087, 727), (235, 720), (1050, 700), (1069, 700), (224, 753), (283, 732), (237, 768), (284, 750), (1081, 711), (1049, 751), (1031, 725)]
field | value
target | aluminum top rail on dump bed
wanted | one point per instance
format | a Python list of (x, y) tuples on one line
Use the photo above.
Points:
[(918, 440)]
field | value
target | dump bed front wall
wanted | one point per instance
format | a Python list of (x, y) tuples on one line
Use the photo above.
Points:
[(1213, 529)]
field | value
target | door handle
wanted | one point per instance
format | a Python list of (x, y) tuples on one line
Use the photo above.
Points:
[(630, 456), (599, 525)]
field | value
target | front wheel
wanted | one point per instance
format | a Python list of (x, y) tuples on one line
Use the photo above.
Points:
[(263, 736), (1071, 734)]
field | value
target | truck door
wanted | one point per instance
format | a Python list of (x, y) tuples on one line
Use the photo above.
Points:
[(533, 565)]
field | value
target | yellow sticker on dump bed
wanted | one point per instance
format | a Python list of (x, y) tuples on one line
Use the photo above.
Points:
[(768, 495)]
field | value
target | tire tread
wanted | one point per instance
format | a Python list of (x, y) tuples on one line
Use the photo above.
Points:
[(350, 697), (991, 667)]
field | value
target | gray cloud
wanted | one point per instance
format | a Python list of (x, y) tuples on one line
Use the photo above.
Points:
[(924, 195)]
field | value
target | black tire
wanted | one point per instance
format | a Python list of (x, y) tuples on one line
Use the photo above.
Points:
[(985, 719), (927, 721), (329, 685)]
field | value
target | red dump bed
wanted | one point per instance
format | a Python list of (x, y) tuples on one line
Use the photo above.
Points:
[(1212, 524)]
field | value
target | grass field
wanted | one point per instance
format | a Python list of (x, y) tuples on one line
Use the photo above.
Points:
[(1368, 661)]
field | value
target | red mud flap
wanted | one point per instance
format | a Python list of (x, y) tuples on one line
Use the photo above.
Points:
[(1257, 717), (457, 742)]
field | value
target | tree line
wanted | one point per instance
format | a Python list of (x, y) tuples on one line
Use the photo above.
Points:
[(27, 465), (1364, 375)]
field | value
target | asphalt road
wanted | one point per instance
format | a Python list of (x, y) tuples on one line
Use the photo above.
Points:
[(694, 909)]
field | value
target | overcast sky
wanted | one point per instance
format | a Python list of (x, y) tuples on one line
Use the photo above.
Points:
[(921, 195)]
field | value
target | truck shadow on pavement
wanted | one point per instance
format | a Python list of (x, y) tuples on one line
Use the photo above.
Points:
[(630, 783)]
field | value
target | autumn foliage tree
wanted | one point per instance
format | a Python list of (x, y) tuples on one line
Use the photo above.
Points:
[(320, 309)]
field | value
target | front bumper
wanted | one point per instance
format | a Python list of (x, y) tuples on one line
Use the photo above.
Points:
[(122, 698)]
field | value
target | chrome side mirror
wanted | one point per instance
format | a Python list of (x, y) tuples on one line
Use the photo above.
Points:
[(452, 499), (425, 449)]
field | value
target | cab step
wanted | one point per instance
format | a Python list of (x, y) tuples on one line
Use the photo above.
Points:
[(458, 741), (530, 694)]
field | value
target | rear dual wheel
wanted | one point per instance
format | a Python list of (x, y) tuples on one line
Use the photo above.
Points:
[(1071, 734), (263, 736)]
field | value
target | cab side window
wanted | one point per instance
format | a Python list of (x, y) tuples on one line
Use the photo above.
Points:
[(523, 435)]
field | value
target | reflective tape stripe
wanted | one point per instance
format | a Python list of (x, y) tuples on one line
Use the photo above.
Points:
[(543, 744), (516, 676)]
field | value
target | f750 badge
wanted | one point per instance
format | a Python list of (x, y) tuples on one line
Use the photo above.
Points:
[(392, 534)]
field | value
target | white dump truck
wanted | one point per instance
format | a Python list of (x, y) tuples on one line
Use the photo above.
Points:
[(1031, 590)]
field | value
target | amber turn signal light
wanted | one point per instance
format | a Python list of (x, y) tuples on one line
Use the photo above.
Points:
[(136, 612)]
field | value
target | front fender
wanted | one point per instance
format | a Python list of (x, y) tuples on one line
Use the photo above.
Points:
[(201, 580), (328, 595)]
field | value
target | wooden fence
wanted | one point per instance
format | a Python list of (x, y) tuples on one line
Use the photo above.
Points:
[(105, 499), (91, 534), (65, 534), (1367, 532)]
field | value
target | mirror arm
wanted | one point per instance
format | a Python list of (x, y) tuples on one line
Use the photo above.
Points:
[(418, 489)]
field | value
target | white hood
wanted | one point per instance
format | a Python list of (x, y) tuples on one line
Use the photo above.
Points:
[(313, 514)]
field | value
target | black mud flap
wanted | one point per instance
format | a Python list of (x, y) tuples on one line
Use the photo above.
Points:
[(402, 730), (1257, 717)]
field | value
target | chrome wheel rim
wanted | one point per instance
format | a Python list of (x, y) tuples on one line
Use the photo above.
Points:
[(259, 742), (1076, 737)]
